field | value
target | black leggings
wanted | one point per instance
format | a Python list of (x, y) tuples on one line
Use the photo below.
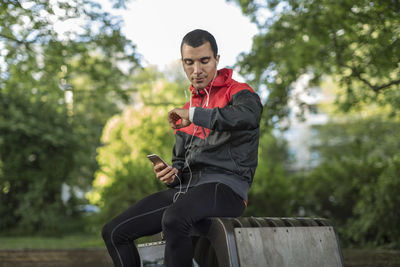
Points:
[(157, 213)]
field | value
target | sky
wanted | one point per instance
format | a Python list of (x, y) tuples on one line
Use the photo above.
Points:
[(158, 26)]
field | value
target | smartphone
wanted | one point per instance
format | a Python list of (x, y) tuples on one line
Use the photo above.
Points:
[(156, 159)]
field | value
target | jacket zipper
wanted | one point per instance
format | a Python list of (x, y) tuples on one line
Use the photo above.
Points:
[(191, 146), (204, 132)]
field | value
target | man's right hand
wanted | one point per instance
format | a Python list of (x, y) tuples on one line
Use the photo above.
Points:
[(178, 114), (165, 174)]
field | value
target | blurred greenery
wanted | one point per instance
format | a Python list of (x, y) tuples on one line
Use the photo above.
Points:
[(57, 91), (37, 155), (356, 42), (270, 193), (77, 109), (357, 183), (355, 45)]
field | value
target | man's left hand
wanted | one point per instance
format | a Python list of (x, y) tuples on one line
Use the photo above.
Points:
[(178, 114)]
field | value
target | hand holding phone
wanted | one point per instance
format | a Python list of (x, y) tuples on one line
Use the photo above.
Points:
[(163, 170)]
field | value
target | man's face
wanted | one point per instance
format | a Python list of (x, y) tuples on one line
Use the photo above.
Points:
[(199, 64)]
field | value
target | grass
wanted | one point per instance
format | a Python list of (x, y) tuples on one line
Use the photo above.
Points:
[(70, 241), (39, 242)]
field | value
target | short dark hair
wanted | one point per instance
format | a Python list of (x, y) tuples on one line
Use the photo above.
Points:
[(198, 37)]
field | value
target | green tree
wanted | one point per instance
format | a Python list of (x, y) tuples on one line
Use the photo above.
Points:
[(356, 42), (37, 153), (357, 182), (57, 90)]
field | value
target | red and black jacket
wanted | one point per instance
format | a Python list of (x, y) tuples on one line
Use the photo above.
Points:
[(221, 145)]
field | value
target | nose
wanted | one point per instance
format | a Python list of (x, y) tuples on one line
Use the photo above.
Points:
[(197, 68)]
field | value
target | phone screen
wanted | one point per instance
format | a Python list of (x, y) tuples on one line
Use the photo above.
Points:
[(156, 159)]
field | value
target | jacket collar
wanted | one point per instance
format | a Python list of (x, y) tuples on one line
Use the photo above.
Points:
[(224, 77)]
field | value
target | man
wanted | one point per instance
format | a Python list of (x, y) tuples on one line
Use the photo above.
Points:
[(213, 163)]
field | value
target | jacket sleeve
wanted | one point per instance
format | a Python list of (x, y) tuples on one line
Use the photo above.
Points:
[(243, 112)]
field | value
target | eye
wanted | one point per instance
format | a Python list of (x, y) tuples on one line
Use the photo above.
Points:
[(205, 60), (188, 62)]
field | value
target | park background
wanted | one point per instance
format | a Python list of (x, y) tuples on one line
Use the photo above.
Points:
[(81, 107)]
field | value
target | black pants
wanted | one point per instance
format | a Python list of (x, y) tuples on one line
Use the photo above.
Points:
[(158, 212)]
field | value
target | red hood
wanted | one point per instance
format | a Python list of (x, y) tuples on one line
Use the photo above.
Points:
[(224, 77)]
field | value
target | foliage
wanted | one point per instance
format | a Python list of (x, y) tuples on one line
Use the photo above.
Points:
[(357, 184), (36, 157), (125, 175), (356, 42), (270, 194), (57, 90)]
